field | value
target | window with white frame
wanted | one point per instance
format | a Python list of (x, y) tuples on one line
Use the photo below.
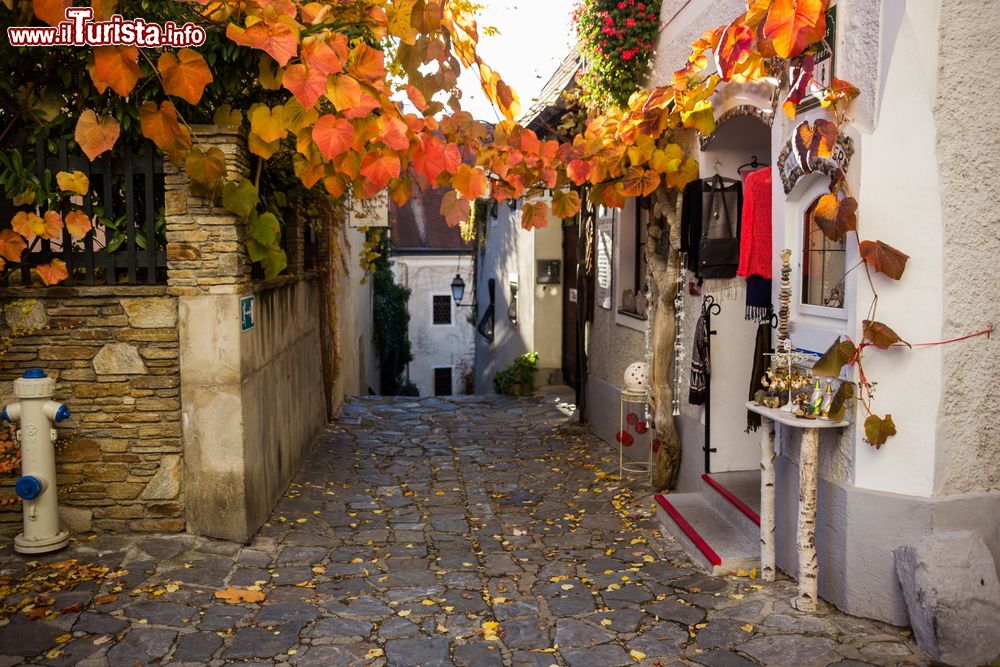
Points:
[(631, 286), (824, 263)]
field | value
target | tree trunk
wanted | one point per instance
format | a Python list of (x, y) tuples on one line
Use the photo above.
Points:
[(663, 261), (808, 565), (767, 552)]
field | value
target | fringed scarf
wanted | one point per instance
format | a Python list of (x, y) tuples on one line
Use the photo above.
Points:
[(758, 298), (700, 365), (761, 348)]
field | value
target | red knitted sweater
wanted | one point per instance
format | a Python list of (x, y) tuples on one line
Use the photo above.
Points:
[(755, 237)]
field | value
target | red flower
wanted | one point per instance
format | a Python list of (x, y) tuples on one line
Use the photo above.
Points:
[(630, 22)]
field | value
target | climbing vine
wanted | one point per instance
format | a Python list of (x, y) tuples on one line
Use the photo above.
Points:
[(391, 319)]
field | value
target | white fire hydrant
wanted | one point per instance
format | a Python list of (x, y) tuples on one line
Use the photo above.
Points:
[(37, 484)]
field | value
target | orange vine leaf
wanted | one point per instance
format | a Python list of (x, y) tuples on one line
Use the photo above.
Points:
[(53, 273), (883, 258), (12, 245), (835, 217), (794, 25), (96, 134), (535, 216), (184, 75), (115, 67), (880, 335)]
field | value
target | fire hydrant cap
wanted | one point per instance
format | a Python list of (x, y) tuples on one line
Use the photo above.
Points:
[(34, 373), (62, 413), (28, 487)]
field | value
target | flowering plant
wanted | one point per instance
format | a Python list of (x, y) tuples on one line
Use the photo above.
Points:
[(616, 39)]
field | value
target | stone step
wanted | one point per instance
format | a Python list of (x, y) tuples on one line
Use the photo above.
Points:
[(736, 496), (707, 536)]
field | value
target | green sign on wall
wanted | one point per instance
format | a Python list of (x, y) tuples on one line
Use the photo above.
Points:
[(247, 315)]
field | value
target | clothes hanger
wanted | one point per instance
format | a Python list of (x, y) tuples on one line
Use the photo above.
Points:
[(753, 164), (724, 179)]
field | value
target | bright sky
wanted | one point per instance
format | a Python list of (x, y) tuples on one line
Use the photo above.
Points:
[(534, 37)]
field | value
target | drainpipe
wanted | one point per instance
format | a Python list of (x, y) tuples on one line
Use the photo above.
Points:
[(37, 484)]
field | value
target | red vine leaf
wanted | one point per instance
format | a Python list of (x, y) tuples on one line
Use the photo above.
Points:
[(734, 48), (794, 25), (380, 167), (800, 85), (879, 429), (834, 359), (96, 134), (880, 335), (276, 39), (334, 136), (883, 258), (325, 55), (838, 92), (835, 217), (306, 83), (578, 171)]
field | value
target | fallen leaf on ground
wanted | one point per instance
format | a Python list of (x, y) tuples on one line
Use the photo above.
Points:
[(237, 595)]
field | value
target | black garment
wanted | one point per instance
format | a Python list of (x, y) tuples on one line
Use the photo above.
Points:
[(701, 365), (761, 348), (691, 223), (696, 205)]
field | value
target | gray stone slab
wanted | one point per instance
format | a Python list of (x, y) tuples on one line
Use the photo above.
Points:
[(790, 650), (606, 655), (419, 652), (142, 646), (198, 647)]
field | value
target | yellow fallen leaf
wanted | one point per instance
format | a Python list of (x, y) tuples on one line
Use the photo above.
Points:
[(448, 609), (499, 600), (374, 653), (237, 595), (566, 587), (637, 655), (62, 639), (53, 654), (606, 622), (428, 603), (404, 613), (746, 628), (737, 596)]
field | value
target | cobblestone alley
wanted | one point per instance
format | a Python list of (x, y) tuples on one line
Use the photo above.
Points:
[(471, 532)]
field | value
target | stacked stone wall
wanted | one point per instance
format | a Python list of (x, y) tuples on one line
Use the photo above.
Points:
[(114, 352)]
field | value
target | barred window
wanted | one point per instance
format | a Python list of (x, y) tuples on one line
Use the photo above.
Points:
[(442, 309), (442, 381)]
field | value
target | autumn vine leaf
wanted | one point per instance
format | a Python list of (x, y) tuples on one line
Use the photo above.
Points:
[(53, 273), (794, 25), (161, 125), (834, 216), (813, 141), (841, 353), (78, 224), (12, 245), (879, 429), (115, 67), (880, 335), (883, 258), (565, 204), (185, 75), (535, 216), (51, 11), (95, 134), (73, 181), (455, 209), (206, 169)]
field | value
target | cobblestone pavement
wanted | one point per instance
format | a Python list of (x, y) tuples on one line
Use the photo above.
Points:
[(468, 532)]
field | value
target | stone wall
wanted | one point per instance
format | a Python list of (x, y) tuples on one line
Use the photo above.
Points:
[(114, 352)]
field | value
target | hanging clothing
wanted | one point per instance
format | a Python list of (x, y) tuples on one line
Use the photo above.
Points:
[(700, 364), (755, 234), (722, 206), (761, 348), (758, 298), (691, 223)]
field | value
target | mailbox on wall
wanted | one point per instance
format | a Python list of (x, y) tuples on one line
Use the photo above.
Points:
[(548, 272)]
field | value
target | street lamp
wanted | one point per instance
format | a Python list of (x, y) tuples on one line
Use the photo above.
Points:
[(458, 291)]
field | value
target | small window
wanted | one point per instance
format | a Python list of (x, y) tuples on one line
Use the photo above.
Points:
[(442, 381), (824, 263), (442, 309)]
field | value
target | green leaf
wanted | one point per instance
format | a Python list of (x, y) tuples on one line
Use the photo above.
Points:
[(880, 335), (265, 229), (257, 251), (833, 360), (879, 429), (838, 407), (275, 261), (240, 198)]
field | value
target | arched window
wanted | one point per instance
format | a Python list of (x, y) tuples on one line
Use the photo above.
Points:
[(824, 263)]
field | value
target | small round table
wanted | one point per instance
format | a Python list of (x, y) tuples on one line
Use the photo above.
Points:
[(633, 403)]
